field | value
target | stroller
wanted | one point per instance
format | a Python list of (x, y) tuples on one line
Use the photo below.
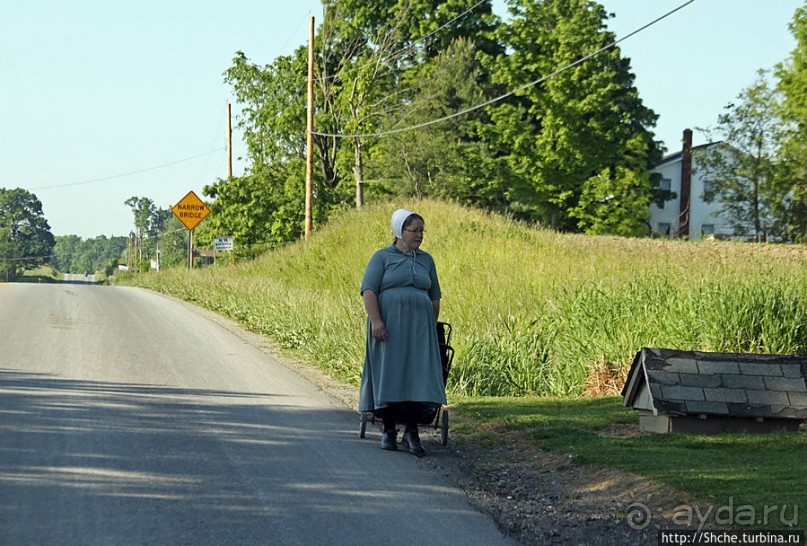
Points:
[(437, 416)]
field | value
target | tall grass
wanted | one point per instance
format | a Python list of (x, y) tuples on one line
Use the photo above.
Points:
[(533, 311)]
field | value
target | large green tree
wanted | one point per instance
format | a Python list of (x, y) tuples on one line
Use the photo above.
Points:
[(383, 56), (575, 126), (25, 238), (448, 159), (792, 76)]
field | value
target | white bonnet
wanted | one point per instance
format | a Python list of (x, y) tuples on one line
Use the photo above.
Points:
[(397, 221)]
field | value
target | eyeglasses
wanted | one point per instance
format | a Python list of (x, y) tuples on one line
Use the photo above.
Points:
[(418, 231)]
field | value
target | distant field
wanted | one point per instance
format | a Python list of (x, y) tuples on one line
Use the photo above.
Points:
[(534, 312)]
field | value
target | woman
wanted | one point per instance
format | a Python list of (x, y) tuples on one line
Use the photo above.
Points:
[(403, 378)]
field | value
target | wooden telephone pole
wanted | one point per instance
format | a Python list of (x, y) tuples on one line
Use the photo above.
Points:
[(309, 164)]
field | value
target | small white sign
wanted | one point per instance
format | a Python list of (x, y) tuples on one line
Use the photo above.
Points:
[(223, 243)]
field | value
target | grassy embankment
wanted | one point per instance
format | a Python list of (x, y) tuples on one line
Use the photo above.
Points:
[(40, 274), (540, 319)]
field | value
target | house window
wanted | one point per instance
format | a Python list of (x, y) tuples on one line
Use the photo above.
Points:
[(665, 185), (708, 187), (664, 229), (707, 229)]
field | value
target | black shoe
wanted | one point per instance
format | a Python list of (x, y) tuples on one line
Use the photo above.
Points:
[(411, 440), (388, 440)]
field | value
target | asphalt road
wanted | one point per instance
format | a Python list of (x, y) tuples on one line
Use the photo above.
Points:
[(128, 418)]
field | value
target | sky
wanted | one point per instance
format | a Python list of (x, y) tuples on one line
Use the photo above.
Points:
[(102, 100)]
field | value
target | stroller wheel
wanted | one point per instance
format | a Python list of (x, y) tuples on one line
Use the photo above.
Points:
[(363, 426), (444, 427)]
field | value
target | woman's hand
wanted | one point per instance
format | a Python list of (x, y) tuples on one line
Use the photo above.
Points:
[(379, 330), (377, 327)]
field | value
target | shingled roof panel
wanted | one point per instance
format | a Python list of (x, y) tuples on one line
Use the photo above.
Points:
[(695, 380), (749, 368), (663, 377), (673, 392), (720, 384), (742, 382), (725, 395), (794, 371), (784, 384), (711, 367), (798, 399), (708, 408), (768, 398), (681, 365)]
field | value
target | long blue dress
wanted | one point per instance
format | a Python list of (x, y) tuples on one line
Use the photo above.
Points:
[(406, 366)]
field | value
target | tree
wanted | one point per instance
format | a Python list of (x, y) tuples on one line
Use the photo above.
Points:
[(355, 73), (792, 76), (173, 241), (575, 126), (392, 64), (9, 257), (25, 238), (71, 254), (262, 209), (273, 120), (428, 161), (370, 61), (614, 204), (64, 249), (383, 77), (743, 172), (148, 221)]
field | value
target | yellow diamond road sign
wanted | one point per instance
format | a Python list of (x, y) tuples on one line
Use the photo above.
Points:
[(190, 210)]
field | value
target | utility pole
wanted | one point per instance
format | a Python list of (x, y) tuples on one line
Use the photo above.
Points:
[(229, 142), (309, 164)]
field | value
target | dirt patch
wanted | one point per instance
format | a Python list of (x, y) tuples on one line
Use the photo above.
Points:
[(546, 498), (623, 430)]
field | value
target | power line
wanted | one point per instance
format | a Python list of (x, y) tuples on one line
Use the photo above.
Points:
[(497, 99), (395, 55), (140, 171), (27, 258)]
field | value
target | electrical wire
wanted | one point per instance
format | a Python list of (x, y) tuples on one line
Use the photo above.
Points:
[(27, 258), (395, 55), (513, 92), (139, 171)]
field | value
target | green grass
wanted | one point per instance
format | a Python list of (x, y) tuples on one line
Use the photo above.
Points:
[(549, 316), (534, 312), (41, 274), (758, 470)]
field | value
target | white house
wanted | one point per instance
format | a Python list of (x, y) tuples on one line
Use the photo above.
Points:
[(687, 215)]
